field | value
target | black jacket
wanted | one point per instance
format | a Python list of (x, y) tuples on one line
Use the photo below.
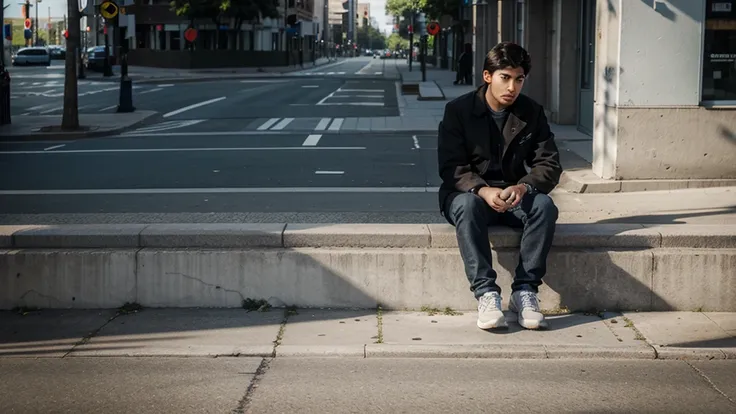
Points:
[(465, 151)]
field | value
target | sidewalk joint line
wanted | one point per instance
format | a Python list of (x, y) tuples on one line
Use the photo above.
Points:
[(244, 403), (712, 385)]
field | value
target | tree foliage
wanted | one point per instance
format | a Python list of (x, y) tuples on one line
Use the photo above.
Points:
[(433, 8), (222, 10), (370, 37)]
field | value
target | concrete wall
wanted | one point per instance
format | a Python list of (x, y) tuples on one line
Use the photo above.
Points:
[(647, 120)]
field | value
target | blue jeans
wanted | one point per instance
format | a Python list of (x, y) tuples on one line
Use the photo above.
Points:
[(471, 216)]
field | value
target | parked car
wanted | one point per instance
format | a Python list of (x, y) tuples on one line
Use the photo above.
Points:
[(95, 58), (32, 56), (57, 52)]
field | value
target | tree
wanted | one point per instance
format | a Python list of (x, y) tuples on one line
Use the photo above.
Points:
[(70, 116), (403, 7), (395, 42)]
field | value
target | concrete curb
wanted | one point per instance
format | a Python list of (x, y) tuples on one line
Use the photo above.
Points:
[(302, 235), (584, 181)]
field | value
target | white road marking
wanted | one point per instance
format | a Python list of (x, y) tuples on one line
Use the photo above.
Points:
[(262, 81), (54, 147), (163, 126), (326, 98), (151, 90), (356, 103), (228, 190), (203, 133), (281, 125), (24, 114), (416, 142), (310, 86), (52, 110), (34, 108), (332, 73), (268, 124), (329, 172), (336, 124), (367, 96), (197, 105), (361, 70), (312, 140), (131, 150), (361, 90), (379, 73), (165, 85), (323, 124), (108, 107), (340, 73)]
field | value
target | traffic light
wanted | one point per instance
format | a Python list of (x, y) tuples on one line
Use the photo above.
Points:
[(65, 33), (27, 23)]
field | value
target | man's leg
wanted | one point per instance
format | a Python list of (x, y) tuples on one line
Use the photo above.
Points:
[(471, 217), (537, 215)]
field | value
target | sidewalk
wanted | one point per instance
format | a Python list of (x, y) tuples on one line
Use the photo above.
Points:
[(366, 333), (48, 127)]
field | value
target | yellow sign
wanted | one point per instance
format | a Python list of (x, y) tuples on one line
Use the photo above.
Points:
[(122, 10), (109, 10)]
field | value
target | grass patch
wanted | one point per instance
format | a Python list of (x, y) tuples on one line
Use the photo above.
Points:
[(448, 311)]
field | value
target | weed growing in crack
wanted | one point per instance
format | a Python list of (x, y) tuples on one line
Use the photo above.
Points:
[(379, 318), (260, 305), (129, 308)]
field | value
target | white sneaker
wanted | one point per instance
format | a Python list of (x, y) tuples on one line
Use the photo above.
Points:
[(489, 312), (526, 305)]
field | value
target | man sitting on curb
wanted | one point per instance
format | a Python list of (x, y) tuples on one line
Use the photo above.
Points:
[(498, 161)]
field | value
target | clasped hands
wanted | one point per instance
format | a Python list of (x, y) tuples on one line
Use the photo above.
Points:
[(503, 199)]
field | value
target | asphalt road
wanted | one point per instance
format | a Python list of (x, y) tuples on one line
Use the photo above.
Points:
[(349, 88), (269, 148), (346, 385)]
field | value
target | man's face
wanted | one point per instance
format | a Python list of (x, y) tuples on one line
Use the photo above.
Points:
[(505, 84)]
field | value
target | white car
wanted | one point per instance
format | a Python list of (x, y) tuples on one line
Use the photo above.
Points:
[(32, 56)]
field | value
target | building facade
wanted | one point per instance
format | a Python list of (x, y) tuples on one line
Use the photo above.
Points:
[(652, 82)]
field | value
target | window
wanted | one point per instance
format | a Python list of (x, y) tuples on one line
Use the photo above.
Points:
[(719, 51)]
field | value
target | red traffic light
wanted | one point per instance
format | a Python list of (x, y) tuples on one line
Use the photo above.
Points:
[(27, 23), (66, 34)]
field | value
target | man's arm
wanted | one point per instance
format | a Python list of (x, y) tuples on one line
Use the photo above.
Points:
[(544, 159), (452, 157)]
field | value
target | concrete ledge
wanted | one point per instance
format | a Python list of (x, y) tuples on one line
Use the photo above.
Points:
[(274, 235), (356, 235), (212, 235), (79, 236), (429, 91)]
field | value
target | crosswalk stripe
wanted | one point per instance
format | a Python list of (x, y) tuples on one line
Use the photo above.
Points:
[(281, 125), (312, 140), (323, 124), (336, 124), (268, 124)]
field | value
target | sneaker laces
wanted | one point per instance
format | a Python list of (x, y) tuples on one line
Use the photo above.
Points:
[(491, 301), (529, 300)]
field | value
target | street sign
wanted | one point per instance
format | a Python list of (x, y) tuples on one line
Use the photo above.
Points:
[(109, 10), (190, 34), (433, 28)]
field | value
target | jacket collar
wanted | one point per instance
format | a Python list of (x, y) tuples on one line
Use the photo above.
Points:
[(514, 125)]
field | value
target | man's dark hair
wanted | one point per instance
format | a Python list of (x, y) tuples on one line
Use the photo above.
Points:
[(507, 55)]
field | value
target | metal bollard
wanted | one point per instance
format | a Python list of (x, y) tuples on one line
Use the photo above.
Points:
[(4, 96)]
